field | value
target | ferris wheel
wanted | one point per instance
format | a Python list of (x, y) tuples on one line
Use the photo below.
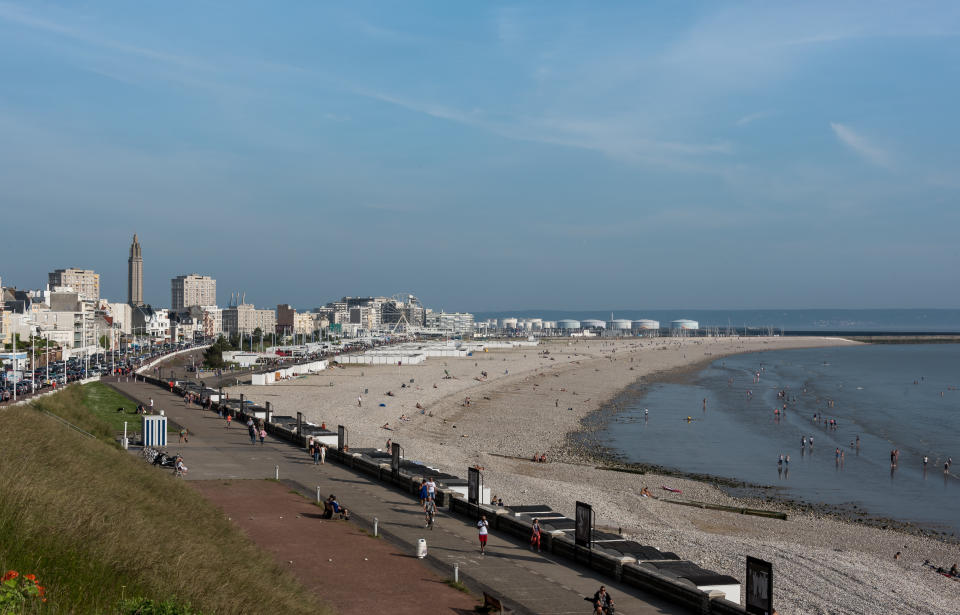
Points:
[(409, 313)]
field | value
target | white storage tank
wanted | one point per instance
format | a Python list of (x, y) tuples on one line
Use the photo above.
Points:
[(619, 324), (550, 324), (591, 323), (685, 324), (645, 324), (508, 323), (567, 324)]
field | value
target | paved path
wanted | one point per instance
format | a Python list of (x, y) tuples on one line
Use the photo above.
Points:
[(532, 582)]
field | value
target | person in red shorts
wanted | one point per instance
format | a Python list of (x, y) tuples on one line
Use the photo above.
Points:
[(482, 526), (535, 535)]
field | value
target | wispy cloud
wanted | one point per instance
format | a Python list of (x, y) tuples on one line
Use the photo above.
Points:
[(861, 145), (752, 117), (616, 137), (14, 14)]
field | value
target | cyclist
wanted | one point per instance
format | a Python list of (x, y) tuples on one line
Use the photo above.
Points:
[(429, 511)]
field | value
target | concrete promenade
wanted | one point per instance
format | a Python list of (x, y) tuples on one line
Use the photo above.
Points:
[(527, 582)]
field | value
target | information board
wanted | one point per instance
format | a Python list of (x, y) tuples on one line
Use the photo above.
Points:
[(759, 587)]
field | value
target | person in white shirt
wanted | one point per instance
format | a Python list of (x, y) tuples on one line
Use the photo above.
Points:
[(482, 526)]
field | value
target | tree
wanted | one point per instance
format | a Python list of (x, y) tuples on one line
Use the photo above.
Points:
[(213, 356)]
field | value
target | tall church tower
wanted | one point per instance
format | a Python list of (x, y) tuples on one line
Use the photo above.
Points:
[(135, 274)]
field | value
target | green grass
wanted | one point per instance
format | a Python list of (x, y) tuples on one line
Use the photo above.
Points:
[(457, 585), (96, 523), (93, 408), (102, 402), (69, 405)]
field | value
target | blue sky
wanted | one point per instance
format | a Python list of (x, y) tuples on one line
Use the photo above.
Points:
[(488, 156)]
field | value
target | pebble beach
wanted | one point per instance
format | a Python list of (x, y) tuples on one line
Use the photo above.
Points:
[(532, 398)]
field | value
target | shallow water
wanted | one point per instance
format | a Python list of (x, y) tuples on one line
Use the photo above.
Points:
[(739, 436)]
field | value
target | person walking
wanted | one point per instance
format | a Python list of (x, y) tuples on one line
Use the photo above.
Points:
[(535, 535), (183, 435), (263, 435), (229, 420), (323, 454), (482, 526), (316, 453)]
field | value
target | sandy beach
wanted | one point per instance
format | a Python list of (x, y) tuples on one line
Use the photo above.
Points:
[(530, 400)]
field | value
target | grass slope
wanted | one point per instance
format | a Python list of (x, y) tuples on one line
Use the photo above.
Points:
[(95, 522)]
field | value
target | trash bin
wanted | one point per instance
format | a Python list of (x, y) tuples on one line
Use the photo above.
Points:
[(421, 548)]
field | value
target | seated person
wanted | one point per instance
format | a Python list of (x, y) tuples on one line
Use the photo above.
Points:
[(335, 509), (646, 493), (181, 469), (330, 507)]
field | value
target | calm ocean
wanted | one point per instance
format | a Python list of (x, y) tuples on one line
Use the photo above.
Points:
[(874, 397)]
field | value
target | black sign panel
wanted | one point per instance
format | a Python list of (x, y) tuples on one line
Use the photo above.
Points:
[(759, 587), (583, 532), (395, 460), (341, 438), (473, 485)]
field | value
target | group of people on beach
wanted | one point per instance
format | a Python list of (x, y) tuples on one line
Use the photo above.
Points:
[(541, 458)]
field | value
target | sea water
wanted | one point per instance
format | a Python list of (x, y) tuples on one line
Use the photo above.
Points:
[(904, 397)]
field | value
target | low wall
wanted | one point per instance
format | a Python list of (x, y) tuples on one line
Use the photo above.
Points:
[(158, 360)]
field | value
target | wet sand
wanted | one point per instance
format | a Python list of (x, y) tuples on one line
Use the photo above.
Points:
[(531, 400)]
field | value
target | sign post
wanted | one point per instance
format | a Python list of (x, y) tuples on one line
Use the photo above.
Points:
[(474, 485), (583, 527), (759, 587), (395, 460)]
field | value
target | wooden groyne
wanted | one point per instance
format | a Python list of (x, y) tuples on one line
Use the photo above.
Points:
[(756, 512)]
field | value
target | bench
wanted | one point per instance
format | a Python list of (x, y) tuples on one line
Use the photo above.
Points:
[(493, 605)]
